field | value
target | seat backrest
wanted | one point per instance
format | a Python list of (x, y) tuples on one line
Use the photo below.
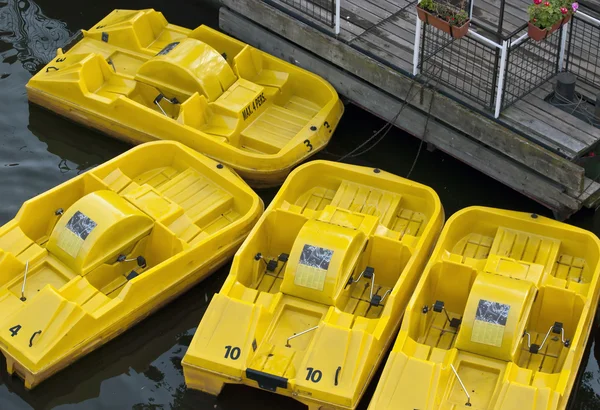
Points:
[(495, 316), (248, 63), (194, 111), (321, 261), (191, 66), (96, 228)]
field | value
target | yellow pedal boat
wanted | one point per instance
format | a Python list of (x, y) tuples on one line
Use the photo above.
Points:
[(318, 289), (500, 318), (138, 78), (86, 260)]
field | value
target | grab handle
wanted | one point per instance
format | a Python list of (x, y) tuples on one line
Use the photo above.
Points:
[(39, 332)]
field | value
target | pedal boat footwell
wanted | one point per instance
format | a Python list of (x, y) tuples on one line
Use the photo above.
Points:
[(500, 318), (319, 287), (84, 261), (138, 78)]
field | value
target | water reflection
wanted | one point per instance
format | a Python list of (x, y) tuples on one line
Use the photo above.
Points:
[(32, 35), (78, 149)]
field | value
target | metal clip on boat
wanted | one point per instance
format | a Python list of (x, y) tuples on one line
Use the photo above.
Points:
[(161, 97), (468, 403), (141, 261), (287, 342), (23, 298)]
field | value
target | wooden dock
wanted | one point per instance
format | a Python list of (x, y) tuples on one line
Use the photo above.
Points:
[(532, 147)]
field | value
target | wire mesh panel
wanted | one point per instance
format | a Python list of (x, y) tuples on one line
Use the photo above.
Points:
[(529, 65), (466, 66), (321, 10), (583, 55)]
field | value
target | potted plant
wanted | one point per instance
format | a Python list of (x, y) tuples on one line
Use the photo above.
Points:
[(547, 16), (445, 16)]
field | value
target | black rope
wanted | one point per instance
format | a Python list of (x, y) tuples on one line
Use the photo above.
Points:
[(424, 134)]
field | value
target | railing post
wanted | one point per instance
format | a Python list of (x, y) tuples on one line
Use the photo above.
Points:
[(417, 45), (337, 16), (501, 75), (563, 44), (471, 9)]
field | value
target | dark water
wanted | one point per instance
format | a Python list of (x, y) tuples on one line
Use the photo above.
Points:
[(142, 368)]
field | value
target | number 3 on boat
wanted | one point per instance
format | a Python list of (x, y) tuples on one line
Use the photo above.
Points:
[(136, 77), (316, 292)]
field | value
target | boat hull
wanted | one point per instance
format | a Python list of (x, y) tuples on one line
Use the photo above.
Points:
[(251, 111), (304, 324), (177, 221), (500, 319)]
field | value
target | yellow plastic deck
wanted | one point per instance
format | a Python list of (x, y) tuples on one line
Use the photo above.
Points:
[(78, 246), (136, 77), (509, 278), (296, 315)]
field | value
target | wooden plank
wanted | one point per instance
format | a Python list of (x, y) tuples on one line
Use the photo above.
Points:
[(591, 194), (373, 45), (445, 109), (538, 130), (562, 121), (412, 120), (369, 7)]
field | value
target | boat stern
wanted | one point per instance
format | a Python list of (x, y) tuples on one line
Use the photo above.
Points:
[(225, 341)]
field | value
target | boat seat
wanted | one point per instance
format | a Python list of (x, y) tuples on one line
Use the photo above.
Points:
[(98, 77), (249, 65), (367, 200), (137, 30), (116, 86), (321, 261), (196, 113), (526, 247)]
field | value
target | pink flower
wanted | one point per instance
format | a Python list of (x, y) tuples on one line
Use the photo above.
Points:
[(575, 6), (564, 10), (537, 1), (547, 4)]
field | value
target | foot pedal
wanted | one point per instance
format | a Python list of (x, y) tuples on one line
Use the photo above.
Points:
[(375, 300), (557, 328), (368, 273), (438, 306), (272, 265), (455, 323), (132, 274)]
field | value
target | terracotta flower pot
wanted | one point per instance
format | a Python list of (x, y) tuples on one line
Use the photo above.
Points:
[(443, 25), (538, 34)]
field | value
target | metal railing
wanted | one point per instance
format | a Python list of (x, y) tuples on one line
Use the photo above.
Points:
[(324, 11), (583, 50), (490, 68), (529, 64)]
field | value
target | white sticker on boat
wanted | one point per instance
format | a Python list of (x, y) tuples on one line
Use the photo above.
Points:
[(312, 269), (490, 323), (75, 233)]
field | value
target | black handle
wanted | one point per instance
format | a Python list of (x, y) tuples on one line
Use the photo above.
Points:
[(39, 332), (337, 373)]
